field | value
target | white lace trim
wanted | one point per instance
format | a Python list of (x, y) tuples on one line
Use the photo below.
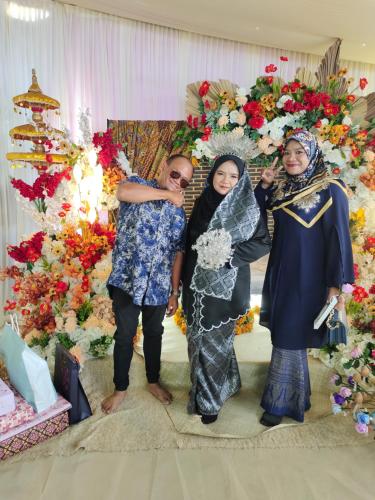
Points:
[(197, 312)]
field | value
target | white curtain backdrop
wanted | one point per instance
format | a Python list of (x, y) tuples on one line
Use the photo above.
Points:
[(117, 68)]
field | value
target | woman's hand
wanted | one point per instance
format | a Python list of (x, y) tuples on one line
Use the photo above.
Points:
[(340, 306), (268, 174)]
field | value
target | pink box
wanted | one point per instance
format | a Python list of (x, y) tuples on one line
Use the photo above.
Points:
[(7, 401), (44, 425), (23, 413)]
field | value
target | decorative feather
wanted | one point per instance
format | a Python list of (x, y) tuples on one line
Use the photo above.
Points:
[(227, 143)]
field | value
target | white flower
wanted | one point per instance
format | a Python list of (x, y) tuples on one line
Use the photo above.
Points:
[(369, 156), (214, 249), (280, 103), (347, 121), (238, 132), (222, 121), (224, 110)]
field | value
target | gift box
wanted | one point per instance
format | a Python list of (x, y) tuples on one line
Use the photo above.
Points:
[(43, 426), (22, 414), (7, 401)]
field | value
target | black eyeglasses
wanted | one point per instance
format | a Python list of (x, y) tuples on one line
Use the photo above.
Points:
[(176, 175)]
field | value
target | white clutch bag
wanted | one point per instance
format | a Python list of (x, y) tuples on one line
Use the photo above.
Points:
[(324, 313)]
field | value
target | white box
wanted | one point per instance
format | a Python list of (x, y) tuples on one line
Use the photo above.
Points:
[(7, 401)]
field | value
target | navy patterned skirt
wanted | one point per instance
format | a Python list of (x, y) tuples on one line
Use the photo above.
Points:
[(287, 391)]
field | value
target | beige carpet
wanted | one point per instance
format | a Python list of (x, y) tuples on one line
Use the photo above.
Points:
[(143, 423)]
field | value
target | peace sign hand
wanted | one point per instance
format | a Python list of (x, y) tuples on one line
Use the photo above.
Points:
[(268, 174)]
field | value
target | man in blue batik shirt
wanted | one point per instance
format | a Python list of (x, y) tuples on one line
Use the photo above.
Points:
[(145, 277)]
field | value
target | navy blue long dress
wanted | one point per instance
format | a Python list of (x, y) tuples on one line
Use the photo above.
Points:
[(311, 252)]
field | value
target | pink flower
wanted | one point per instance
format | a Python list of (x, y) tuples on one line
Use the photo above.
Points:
[(347, 288), (356, 352), (361, 428), (373, 353), (345, 392)]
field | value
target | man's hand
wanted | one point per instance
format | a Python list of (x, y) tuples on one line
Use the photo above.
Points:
[(268, 174), (175, 197), (172, 305)]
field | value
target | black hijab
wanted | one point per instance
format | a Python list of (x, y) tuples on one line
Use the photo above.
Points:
[(210, 199)]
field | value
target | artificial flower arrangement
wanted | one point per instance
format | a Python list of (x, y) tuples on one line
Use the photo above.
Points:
[(61, 271)]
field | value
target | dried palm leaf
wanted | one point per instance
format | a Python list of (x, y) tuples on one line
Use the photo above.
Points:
[(306, 76), (359, 111), (216, 89), (329, 64), (370, 99)]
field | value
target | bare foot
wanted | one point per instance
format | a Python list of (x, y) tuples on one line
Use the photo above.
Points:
[(161, 394), (112, 402)]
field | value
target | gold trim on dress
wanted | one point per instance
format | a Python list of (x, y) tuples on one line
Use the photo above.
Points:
[(315, 219), (316, 187)]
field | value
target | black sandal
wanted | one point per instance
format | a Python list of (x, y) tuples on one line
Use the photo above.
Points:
[(270, 420), (208, 419)]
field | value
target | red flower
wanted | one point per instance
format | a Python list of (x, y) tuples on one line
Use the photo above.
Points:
[(189, 120), (283, 58), (336, 170), (10, 305), (331, 109), (66, 206), (203, 118), (318, 124), (359, 293), (372, 289), (49, 144), (204, 88), (61, 287), (207, 130), (204, 138), (350, 98), (252, 108), (108, 149), (295, 86), (373, 353), (363, 83), (207, 104), (271, 68), (269, 79), (29, 250), (256, 121), (195, 122), (355, 152), (356, 271), (369, 243), (49, 158), (44, 308), (285, 89)]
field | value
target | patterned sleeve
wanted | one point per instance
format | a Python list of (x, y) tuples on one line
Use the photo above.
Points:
[(137, 180), (181, 242)]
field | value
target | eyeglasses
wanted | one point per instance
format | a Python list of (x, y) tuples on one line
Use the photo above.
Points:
[(176, 175)]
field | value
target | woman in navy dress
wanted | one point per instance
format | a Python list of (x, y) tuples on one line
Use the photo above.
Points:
[(311, 258)]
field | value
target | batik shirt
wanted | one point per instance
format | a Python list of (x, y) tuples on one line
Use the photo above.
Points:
[(148, 236)]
